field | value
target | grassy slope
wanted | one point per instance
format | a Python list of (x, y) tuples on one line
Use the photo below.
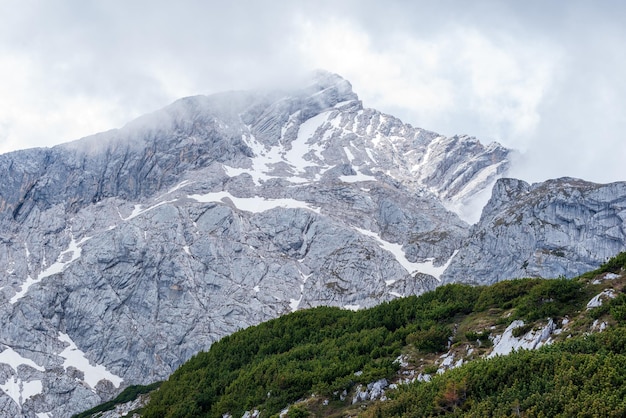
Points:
[(283, 361)]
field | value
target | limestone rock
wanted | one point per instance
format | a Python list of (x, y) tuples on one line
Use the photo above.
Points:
[(561, 227)]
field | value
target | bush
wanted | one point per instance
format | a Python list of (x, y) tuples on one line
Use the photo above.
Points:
[(483, 337), (584, 376), (505, 294), (431, 340), (615, 264), (297, 412), (550, 299), (522, 330)]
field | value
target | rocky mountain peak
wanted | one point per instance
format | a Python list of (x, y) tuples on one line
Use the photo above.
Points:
[(504, 192), (127, 252), (560, 227), (333, 85)]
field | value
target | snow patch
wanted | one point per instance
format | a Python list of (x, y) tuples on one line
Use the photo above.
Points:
[(265, 158), (14, 359), (20, 391), (396, 249), (356, 178), (234, 172), (299, 147), (428, 267), (179, 186), (253, 204), (348, 154), (73, 250), (294, 303), (352, 307), (76, 358), (138, 210), (482, 177), (342, 104)]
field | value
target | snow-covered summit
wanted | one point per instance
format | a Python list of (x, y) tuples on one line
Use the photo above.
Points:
[(142, 245)]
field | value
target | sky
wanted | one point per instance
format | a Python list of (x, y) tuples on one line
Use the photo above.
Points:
[(545, 78)]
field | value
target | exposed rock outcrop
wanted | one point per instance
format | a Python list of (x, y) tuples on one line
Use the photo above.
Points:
[(127, 252), (561, 227)]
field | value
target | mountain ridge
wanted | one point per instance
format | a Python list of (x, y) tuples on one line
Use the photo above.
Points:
[(388, 358), (214, 214), (560, 227)]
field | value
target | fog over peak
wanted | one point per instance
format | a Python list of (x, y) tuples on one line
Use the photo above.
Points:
[(544, 79)]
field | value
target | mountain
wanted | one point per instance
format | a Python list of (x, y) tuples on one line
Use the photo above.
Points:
[(545, 347), (128, 252), (560, 227)]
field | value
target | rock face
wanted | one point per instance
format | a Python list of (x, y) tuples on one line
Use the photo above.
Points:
[(125, 253), (561, 227)]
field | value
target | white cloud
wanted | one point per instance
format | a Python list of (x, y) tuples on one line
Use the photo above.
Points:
[(404, 75), (34, 111), (455, 81), (547, 80)]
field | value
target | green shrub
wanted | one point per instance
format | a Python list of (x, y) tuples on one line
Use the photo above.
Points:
[(297, 412), (615, 264), (521, 330), (431, 340), (551, 299), (504, 294), (483, 336), (584, 376)]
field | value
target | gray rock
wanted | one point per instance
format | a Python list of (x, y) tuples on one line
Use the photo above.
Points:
[(127, 252), (561, 227)]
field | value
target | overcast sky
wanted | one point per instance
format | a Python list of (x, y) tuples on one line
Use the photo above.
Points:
[(546, 78)]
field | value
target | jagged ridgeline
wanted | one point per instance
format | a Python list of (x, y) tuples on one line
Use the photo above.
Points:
[(330, 352), (125, 253)]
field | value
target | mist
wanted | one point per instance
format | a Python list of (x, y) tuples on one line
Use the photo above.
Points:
[(543, 79)]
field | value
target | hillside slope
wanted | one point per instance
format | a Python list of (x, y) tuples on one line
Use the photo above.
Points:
[(127, 252), (396, 359)]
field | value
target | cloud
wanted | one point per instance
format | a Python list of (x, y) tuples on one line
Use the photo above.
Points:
[(546, 79), (74, 68), (454, 81)]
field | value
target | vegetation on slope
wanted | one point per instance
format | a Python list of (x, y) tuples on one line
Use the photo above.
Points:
[(327, 351), (319, 350), (129, 394), (583, 376)]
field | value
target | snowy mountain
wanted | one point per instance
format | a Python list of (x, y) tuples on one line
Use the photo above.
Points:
[(125, 253), (129, 251)]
